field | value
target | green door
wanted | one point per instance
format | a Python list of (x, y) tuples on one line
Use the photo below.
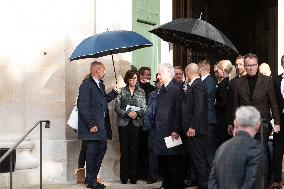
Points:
[(146, 15)]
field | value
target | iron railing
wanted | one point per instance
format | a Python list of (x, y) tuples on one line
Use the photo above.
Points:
[(9, 152)]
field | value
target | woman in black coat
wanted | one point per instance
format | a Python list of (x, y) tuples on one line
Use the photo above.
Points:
[(222, 71)]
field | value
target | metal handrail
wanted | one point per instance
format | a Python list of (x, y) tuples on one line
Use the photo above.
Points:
[(47, 125)]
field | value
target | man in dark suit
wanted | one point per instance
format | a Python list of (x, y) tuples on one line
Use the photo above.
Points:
[(238, 162), (257, 90), (240, 69), (278, 137), (92, 126), (210, 84), (195, 123)]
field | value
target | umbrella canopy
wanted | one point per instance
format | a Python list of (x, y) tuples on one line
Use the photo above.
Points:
[(195, 34), (109, 42)]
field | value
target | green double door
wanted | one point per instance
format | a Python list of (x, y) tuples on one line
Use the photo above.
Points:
[(146, 15)]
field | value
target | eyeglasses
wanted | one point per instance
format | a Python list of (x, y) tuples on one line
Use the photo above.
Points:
[(134, 78), (251, 65)]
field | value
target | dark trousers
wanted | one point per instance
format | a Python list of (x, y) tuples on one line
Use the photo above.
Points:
[(82, 155), (128, 137), (143, 155), (94, 156), (199, 154), (278, 150), (172, 171), (267, 168), (212, 141), (223, 134), (153, 158)]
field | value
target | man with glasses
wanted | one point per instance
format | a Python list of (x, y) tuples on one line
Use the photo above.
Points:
[(257, 90), (144, 83)]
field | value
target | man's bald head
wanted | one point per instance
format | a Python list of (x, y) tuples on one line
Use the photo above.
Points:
[(192, 71)]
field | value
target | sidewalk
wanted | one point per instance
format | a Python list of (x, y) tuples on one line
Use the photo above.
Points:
[(114, 185)]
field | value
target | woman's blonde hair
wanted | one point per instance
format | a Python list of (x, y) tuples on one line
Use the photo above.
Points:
[(228, 68), (226, 65)]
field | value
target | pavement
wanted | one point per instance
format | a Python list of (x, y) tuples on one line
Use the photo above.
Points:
[(110, 185)]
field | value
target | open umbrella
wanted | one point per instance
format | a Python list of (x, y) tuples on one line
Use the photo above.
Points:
[(195, 34), (109, 43)]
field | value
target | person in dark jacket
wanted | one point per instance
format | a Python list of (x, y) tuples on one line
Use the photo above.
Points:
[(168, 123), (143, 156), (130, 107), (278, 137), (222, 71), (195, 123), (92, 124), (238, 163), (257, 90), (210, 84), (150, 125)]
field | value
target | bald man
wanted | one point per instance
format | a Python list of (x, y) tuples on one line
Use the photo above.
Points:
[(93, 127), (195, 123)]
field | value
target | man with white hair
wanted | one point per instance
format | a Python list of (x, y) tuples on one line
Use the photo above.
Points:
[(168, 123), (238, 162)]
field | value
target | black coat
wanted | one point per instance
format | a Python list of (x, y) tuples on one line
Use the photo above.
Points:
[(222, 103), (279, 97), (168, 118), (195, 108), (93, 110)]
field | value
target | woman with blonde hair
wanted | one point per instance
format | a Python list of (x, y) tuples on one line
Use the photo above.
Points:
[(223, 72)]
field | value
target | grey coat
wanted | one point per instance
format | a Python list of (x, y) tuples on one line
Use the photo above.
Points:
[(238, 164), (124, 98)]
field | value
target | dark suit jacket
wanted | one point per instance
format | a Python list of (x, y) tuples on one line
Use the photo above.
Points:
[(279, 97), (195, 108), (210, 85), (168, 119), (263, 97), (93, 110), (237, 164)]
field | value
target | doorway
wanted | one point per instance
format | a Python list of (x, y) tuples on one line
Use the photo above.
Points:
[(250, 25)]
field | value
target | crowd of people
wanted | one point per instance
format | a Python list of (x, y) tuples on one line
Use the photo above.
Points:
[(223, 121)]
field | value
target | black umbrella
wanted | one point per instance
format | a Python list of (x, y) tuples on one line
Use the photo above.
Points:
[(195, 34)]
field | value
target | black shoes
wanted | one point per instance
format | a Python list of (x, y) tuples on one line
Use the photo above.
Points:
[(151, 180), (123, 181), (96, 186), (133, 181)]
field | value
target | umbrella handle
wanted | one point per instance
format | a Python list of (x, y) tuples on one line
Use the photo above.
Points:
[(114, 70)]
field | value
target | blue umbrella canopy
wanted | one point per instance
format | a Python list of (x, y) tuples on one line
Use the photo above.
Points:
[(108, 43)]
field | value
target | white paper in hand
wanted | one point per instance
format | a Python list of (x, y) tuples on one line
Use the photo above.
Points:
[(170, 142)]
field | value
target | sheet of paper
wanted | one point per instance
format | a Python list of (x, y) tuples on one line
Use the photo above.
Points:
[(172, 142), (132, 108)]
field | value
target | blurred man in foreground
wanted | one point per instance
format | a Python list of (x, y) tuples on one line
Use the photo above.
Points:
[(238, 162)]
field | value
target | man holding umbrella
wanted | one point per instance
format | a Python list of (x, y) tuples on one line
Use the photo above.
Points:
[(92, 125)]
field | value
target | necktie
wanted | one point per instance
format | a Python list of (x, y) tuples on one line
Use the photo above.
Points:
[(101, 86)]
